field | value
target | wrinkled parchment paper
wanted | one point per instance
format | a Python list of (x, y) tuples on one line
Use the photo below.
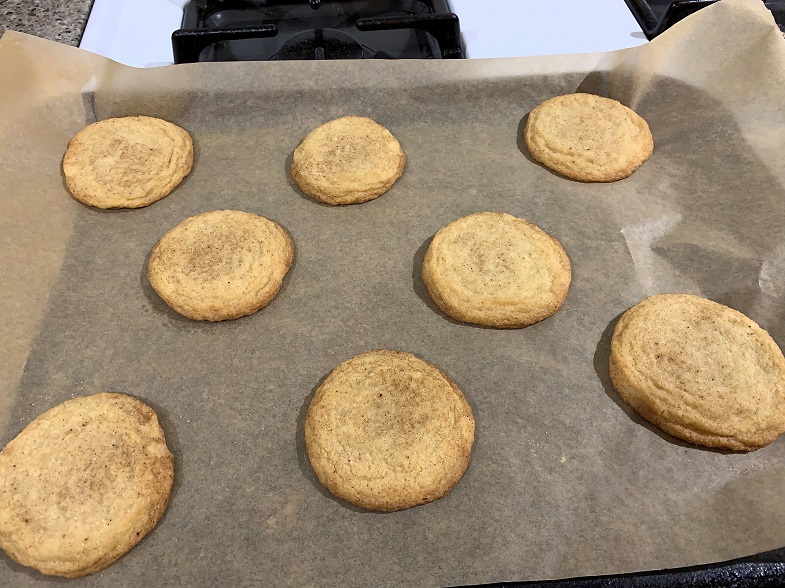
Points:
[(564, 478)]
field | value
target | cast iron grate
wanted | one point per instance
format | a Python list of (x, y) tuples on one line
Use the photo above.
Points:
[(269, 30), (656, 16)]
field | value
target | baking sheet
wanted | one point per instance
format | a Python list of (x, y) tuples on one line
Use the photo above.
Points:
[(564, 478)]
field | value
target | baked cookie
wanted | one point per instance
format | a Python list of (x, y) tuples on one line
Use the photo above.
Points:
[(387, 431), (700, 371), (347, 161), (127, 162), (220, 265), (492, 269), (588, 138), (82, 484)]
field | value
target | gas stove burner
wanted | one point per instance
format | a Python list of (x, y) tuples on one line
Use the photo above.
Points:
[(273, 30), (320, 44)]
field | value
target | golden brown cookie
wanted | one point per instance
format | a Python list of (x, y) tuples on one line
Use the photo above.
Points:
[(127, 162), (347, 161), (588, 138), (220, 265), (387, 431), (700, 371), (493, 269), (82, 484)]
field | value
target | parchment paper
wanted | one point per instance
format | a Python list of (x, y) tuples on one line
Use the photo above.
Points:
[(564, 478)]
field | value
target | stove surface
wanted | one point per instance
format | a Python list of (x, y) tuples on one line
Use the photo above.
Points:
[(138, 32), (657, 16), (239, 30)]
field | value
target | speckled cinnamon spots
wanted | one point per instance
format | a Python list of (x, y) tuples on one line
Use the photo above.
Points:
[(497, 270), (127, 162), (220, 265), (82, 484), (347, 161), (387, 431), (588, 138), (700, 371)]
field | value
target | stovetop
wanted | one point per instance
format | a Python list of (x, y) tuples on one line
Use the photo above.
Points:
[(272, 30), (232, 30), (656, 16), (138, 32)]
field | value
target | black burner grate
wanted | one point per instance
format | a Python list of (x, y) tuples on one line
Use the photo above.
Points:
[(267, 30), (656, 16)]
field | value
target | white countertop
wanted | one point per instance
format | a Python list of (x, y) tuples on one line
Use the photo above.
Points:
[(138, 32)]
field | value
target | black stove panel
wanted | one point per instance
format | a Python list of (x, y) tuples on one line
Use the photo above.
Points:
[(262, 30), (656, 16)]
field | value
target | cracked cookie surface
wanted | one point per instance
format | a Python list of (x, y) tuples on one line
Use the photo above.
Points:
[(700, 371), (493, 269), (588, 138), (387, 431), (348, 160), (220, 265), (127, 162), (82, 484)]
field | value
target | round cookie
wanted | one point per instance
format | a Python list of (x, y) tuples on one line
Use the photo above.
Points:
[(700, 371), (82, 484), (220, 265), (127, 162), (588, 138), (493, 269), (347, 161), (387, 431)]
